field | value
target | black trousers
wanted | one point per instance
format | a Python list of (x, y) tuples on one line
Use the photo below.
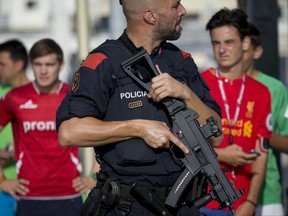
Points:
[(67, 207)]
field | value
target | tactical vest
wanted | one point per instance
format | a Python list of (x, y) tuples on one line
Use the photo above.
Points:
[(130, 101)]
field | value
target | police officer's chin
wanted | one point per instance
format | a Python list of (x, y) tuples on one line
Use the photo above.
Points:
[(175, 36)]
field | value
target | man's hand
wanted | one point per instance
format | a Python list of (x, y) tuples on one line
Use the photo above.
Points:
[(158, 135), (235, 156), (15, 187), (83, 184), (246, 209), (164, 85)]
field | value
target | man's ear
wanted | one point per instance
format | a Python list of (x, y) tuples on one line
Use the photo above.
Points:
[(150, 16), (19, 65), (258, 52), (61, 66), (246, 43)]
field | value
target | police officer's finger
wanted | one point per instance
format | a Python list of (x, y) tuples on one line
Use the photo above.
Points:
[(159, 96), (158, 69), (178, 143)]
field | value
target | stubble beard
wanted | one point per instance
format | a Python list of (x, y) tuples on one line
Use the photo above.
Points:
[(162, 32)]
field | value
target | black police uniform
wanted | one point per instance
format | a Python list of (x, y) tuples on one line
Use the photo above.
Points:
[(101, 89)]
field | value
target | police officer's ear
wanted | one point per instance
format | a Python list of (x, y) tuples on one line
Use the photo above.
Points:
[(150, 16)]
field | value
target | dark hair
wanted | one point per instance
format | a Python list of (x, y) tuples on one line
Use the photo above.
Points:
[(255, 35), (17, 51), (234, 17), (45, 47)]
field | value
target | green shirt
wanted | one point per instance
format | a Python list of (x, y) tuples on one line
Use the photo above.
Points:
[(271, 190), (6, 139)]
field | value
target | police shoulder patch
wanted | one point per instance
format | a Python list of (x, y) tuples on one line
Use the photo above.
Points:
[(93, 60), (75, 81), (186, 54)]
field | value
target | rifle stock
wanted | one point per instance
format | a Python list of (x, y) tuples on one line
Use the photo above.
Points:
[(202, 159)]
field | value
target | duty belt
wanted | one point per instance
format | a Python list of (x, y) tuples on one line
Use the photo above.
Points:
[(120, 196)]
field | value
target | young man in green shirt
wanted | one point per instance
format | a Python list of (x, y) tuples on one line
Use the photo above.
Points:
[(270, 200)]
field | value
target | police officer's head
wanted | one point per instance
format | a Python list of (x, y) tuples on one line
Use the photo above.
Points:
[(156, 19)]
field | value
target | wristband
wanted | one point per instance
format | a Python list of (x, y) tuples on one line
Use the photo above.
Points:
[(251, 202)]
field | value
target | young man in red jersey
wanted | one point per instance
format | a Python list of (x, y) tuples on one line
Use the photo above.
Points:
[(45, 169), (13, 64), (246, 107)]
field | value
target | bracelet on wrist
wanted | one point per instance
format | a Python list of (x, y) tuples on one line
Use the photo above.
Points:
[(251, 202)]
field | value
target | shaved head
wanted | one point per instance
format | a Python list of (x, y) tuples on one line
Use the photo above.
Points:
[(133, 8), (153, 21)]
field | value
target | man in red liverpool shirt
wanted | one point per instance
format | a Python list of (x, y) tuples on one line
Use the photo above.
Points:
[(245, 105), (45, 169)]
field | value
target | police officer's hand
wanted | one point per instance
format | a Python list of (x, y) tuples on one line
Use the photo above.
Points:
[(164, 85), (158, 135)]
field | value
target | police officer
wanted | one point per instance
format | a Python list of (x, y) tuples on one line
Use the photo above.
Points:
[(127, 126)]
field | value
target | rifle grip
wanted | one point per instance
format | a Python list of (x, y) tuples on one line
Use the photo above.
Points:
[(203, 201)]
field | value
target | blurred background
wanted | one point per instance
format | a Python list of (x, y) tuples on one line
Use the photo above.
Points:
[(81, 25)]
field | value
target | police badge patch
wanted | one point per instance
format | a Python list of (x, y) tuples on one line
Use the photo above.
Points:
[(135, 104), (75, 81)]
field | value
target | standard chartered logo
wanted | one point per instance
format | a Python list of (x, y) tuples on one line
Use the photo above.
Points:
[(38, 126), (131, 95)]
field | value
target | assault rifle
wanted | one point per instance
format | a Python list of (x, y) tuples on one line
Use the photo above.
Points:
[(201, 164)]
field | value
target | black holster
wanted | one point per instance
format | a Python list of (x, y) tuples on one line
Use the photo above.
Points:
[(104, 197), (92, 205), (151, 200)]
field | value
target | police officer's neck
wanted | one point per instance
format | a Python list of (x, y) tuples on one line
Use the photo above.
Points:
[(141, 39)]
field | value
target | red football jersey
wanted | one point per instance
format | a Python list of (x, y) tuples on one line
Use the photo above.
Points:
[(49, 167), (253, 122)]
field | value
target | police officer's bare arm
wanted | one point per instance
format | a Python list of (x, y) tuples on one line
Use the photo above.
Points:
[(90, 131)]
